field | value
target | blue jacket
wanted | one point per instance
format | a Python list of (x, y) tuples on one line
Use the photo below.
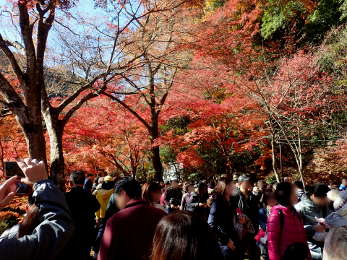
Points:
[(49, 238)]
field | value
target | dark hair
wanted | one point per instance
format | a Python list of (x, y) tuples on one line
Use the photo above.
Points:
[(268, 195), (283, 193), (184, 236), (298, 251), (77, 177), (202, 186), (109, 185), (318, 190), (299, 184), (90, 175), (130, 186), (148, 189)]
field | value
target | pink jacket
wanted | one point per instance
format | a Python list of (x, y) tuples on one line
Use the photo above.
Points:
[(292, 232)]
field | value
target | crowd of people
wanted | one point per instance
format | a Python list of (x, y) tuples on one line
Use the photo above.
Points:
[(232, 219)]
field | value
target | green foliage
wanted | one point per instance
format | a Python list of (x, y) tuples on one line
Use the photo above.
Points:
[(7, 222), (280, 16), (333, 56), (167, 154), (177, 124), (271, 179), (277, 16), (343, 10), (212, 5), (327, 14)]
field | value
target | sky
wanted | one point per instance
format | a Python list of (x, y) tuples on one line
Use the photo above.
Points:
[(84, 7)]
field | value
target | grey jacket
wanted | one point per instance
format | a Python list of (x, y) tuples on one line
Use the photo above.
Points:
[(50, 237), (309, 212)]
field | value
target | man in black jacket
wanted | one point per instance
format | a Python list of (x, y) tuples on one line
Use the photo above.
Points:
[(83, 206), (247, 205)]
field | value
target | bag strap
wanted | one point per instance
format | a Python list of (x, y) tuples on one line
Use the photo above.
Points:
[(280, 212)]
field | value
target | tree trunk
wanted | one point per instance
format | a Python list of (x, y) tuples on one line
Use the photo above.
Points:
[(55, 129), (156, 161), (57, 157), (157, 165), (274, 158)]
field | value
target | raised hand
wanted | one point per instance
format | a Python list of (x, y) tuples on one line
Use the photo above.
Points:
[(33, 170), (8, 191)]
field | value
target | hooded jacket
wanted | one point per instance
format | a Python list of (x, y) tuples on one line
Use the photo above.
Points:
[(49, 238)]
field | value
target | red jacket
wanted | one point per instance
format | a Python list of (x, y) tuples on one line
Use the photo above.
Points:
[(293, 231), (129, 233)]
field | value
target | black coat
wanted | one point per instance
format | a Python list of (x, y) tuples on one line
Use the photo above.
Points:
[(249, 206), (83, 206), (221, 220)]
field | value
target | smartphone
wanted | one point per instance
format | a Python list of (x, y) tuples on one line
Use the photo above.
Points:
[(12, 169)]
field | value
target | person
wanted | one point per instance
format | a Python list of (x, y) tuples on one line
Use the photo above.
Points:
[(286, 179), (129, 233), (259, 190), (285, 226), (335, 246), (163, 195), (48, 226), (187, 198), (111, 209), (83, 206), (200, 200), (313, 208), (261, 185), (173, 196), (222, 218), (300, 191), (245, 200), (98, 184), (184, 236), (151, 192), (88, 183), (343, 185), (268, 201), (247, 209), (103, 195)]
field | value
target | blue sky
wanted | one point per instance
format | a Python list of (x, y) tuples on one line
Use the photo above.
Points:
[(85, 8)]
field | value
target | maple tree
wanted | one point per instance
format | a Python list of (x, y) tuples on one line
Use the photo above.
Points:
[(108, 61), (156, 70), (111, 140), (157, 37)]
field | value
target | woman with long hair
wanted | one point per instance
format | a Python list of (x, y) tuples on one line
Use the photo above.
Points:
[(184, 236), (285, 227), (222, 218), (151, 192)]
